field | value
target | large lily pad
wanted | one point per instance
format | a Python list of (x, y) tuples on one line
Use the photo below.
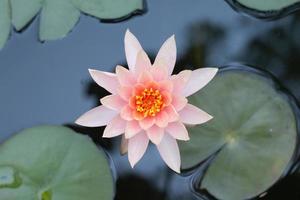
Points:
[(266, 8), (53, 163), (253, 134), (58, 17)]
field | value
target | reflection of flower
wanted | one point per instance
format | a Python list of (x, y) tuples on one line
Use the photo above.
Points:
[(148, 103)]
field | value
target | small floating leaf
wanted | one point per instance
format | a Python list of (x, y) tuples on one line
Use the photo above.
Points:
[(108, 9), (5, 18), (253, 134), (266, 8), (267, 5), (54, 163), (57, 19)]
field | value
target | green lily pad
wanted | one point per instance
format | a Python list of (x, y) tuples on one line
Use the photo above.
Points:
[(252, 135), (5, 18), (58, 17), (267, 5), (24, 11), (266, 8), (53, 163), (108, 9)]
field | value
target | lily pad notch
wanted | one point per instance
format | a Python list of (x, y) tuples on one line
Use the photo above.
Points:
[(58, 17), (253, 136)]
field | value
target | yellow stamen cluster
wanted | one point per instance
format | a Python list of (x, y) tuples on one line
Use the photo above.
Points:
[(149, 102)]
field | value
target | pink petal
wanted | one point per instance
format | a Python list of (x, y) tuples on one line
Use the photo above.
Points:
[(162, 119), (132, 102), (180, 80), (145, 78), (172, 113), (124, 145), (199, 79), (167, 98), (126, 113), (115, 127), (155, 134), (143, 63), (147, 122), (167, 55), (114, 102), (169, 152), (125, 92), (193, 115), (125, 77), (106, 80), (178, 131), (99, 116), (138, 88), (159, 73), (137, 115), (132, 128), (179, 102), (137, 146), (132, 47), (152, 84), (166, 85)]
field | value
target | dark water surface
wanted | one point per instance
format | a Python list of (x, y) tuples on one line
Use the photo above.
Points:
[(48, 83)]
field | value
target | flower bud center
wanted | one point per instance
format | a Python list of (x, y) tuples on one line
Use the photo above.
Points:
[(149, 102)]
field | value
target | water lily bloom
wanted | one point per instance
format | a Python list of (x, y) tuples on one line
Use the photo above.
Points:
[(148, 103)]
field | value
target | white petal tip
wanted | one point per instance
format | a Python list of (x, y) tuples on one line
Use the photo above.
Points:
[(172, 37), (209, 118), (176, 170), (82, 122), (78, 122), (128, 33), (107, 133), (202, 121), (132, 164), (214, 70), (92, 71)]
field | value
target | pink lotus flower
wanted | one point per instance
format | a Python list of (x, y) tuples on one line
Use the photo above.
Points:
[(148, 103)]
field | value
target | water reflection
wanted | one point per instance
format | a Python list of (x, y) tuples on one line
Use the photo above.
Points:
[(134, 187), (274, 47), (287, 188)]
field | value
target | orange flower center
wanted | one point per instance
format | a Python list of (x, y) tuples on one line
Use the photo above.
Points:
[(149, 102)]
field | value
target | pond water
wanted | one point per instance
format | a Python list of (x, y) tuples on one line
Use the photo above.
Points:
[(48, 83)]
